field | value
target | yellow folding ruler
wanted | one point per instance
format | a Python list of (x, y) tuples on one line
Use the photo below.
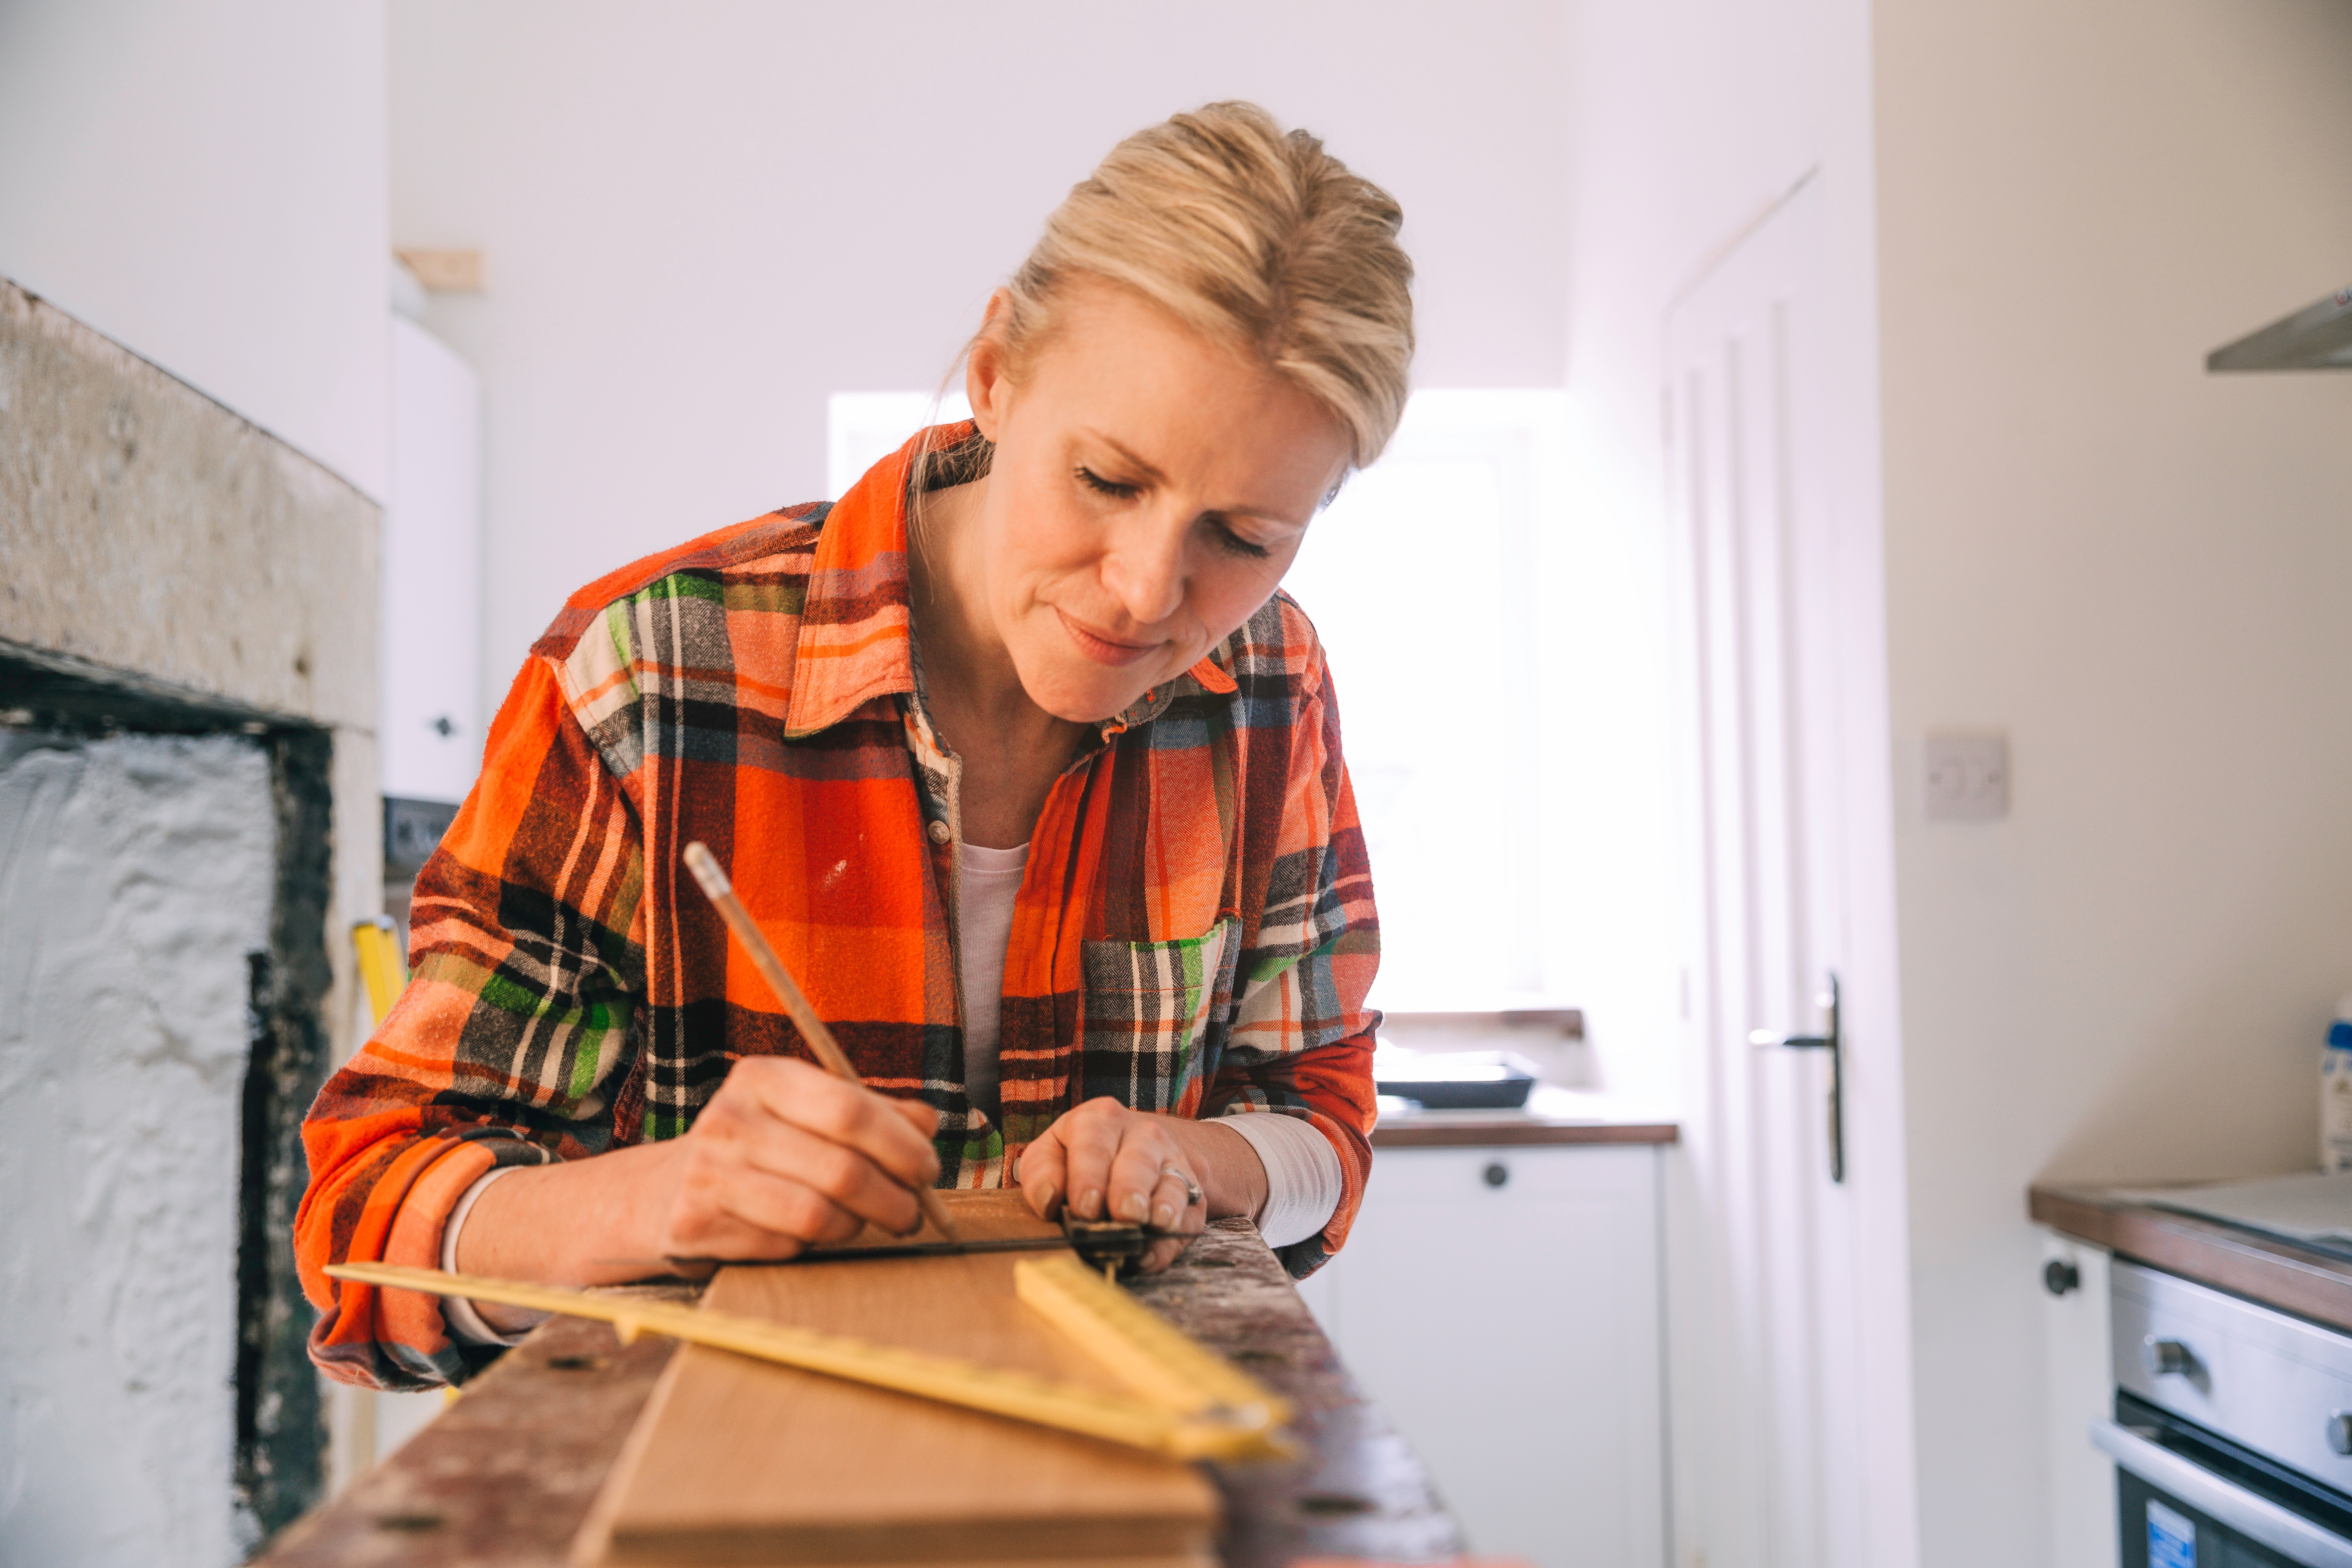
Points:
[(382, 969), (1184, 1400)]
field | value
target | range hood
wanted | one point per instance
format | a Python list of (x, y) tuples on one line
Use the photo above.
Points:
[(2318, 337)]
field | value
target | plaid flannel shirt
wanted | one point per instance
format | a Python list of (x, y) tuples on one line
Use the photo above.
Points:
[(1195, 933)]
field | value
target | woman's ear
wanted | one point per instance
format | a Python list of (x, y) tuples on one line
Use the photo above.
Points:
[(986, 381)]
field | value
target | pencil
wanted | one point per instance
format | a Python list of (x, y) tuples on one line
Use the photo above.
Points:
[(721, 893)]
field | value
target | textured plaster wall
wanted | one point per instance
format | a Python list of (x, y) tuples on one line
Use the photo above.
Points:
[(135, 878)]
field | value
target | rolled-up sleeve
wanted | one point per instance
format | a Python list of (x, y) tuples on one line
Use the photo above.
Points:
[(513, 1043)]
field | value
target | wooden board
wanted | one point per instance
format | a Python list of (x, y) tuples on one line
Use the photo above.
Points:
[(736, 1461)]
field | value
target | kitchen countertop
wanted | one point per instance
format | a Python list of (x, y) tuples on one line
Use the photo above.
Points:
[(2269, 1269), (1552, 1116)]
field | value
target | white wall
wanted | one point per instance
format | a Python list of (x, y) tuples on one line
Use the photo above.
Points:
[(204, 183), (700, 221), (2140, 572)]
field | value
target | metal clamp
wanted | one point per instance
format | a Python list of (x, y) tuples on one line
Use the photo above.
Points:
[(1832, 1042)]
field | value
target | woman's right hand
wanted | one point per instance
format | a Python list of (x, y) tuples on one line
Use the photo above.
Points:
[(784, 1156)]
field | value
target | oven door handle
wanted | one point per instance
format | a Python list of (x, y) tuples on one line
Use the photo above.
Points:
[(2250, 1514)]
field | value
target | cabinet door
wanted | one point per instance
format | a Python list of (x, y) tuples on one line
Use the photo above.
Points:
[(1503, 1305)]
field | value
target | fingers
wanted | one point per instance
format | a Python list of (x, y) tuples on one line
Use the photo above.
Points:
[(1112, 1162), (1091, 1138), (1044, 1174), (1172, 1203), (844, 1177), (786, 1155), (1162, 1252), (788, 1204), (727, 1209), (841, 1112), (1137, 1184), (923, 1117)]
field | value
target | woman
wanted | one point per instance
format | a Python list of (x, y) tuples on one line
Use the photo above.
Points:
[(1031, 777)]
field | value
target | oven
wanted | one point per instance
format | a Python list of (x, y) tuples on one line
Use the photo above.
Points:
[(2233, 1430)]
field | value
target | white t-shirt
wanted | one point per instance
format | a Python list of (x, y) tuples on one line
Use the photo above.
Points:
[(989, 881)]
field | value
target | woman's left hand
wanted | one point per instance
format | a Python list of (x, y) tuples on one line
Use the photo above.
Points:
[(1107, 1162)]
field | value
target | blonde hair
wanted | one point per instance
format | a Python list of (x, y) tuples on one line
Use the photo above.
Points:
[(1253, 236)]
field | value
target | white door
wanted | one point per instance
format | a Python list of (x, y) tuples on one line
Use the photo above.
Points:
[(1790, 1308)]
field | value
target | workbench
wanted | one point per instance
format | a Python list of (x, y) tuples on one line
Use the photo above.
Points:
[(505, 1475)]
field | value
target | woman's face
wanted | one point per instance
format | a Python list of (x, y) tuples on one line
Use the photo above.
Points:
[(1149, 488)]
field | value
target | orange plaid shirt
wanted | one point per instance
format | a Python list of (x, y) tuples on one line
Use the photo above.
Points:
[(1194, 932)]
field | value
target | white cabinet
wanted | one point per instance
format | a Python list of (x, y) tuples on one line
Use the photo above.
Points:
[(1502, 1304), (2079, 1373)]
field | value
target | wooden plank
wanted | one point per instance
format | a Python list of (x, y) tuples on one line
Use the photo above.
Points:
[(736, 1461)]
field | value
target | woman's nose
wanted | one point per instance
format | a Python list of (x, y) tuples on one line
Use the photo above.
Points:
[(1144, 572)]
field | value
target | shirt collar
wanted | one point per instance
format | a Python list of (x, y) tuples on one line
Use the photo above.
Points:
[(856, 631)]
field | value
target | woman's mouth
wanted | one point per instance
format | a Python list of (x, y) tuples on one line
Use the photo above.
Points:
[(1102, 649)]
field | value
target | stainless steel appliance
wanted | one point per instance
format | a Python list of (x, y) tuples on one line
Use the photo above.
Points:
[(2232, 1431)]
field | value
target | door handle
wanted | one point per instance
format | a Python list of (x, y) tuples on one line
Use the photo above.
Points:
[(1832, 1042)]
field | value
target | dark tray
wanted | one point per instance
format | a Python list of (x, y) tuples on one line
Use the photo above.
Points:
[(1461, 1093)]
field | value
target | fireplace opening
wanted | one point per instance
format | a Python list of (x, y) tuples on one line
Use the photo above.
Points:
[(165, 881)]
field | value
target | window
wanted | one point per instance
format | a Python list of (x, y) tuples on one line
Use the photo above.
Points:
[(1441, 740)]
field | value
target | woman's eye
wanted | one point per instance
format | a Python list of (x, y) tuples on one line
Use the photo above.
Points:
[(1234, 543), (1094, 482)]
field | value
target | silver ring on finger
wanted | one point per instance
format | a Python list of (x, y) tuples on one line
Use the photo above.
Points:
[(1193, 1196)]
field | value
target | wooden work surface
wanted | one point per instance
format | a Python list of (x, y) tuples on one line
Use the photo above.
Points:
[(738, 1461), (507, 1477), (2274, 1272)]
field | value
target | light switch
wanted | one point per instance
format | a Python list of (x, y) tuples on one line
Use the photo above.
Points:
[(1967, 778)]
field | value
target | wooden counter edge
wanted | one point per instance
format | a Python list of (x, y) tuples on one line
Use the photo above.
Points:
[(2273, 1273), (1520, 1132)]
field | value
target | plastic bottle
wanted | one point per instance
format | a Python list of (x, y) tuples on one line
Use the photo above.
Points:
[(2335, 1092)]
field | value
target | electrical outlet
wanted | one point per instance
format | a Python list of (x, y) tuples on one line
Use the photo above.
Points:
[(1967, 778)]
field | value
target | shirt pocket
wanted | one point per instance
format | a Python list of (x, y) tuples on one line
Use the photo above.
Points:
[(1148, 1006)]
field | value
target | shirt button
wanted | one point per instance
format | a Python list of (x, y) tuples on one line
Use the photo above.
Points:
[(940, 831)]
